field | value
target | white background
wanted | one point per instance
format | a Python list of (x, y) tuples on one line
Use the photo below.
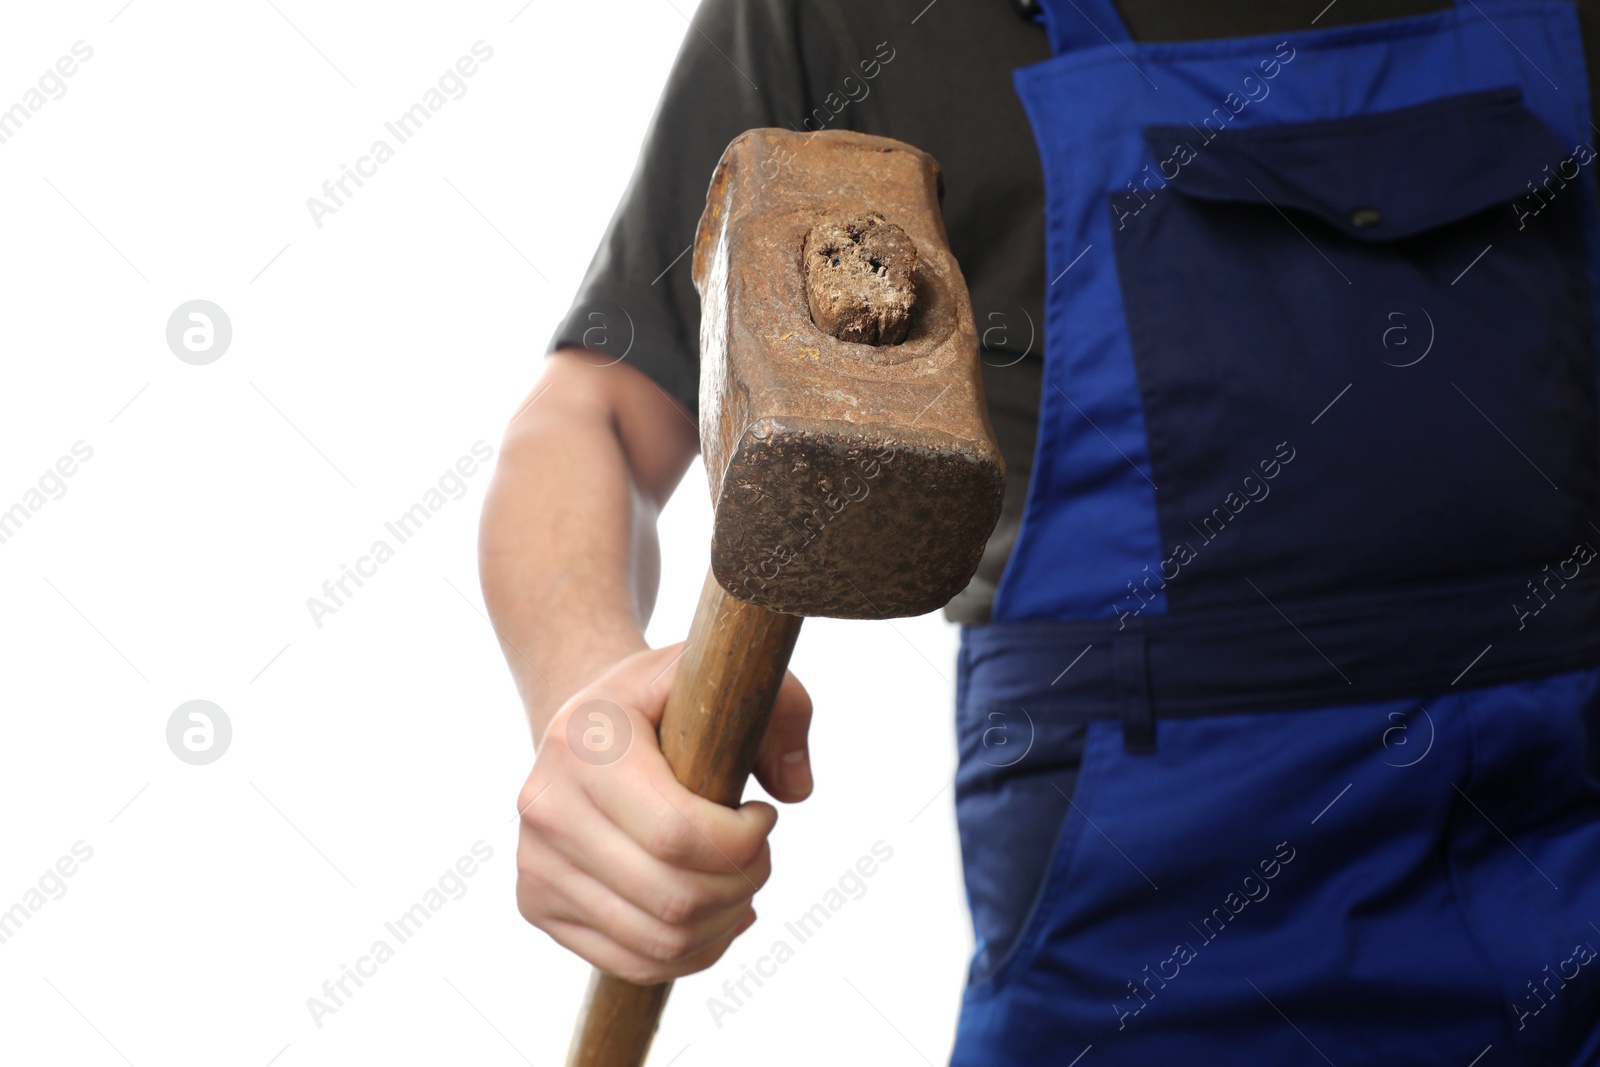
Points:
[(370, 753)]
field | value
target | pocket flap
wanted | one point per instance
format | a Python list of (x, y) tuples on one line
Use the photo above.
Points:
[(1374, 177)]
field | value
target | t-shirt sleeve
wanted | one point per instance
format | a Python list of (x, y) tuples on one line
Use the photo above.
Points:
[(741, 66)]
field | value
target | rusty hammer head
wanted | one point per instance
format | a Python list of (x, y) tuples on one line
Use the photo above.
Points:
[(853, 469)]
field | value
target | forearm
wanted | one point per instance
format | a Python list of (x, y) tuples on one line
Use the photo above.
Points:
[(568, 553), (569, 566)]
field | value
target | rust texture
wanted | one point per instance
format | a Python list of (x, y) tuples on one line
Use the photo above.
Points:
[(849, 479), (859, 279)]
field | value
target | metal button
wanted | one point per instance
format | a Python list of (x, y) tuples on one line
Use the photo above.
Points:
[(1365, 217)]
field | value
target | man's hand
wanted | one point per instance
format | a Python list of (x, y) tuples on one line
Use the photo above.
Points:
[(615, 859), (619, 862)]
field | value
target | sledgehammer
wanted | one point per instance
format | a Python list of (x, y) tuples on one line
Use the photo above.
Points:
[(853, 470)]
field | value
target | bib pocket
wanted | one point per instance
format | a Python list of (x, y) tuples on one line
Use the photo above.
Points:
[(1364, 349)]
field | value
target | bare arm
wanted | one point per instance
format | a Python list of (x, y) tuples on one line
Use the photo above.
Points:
[(616, 860), (568, 554)]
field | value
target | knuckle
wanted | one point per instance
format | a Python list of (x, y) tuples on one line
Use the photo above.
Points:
[(668, 944), (640, 973), (672, 840), (530, 875), (531, 893), (534, 809), (674, 907), (676, 904), (536, 916), (746, 849), (712, 954), (557, 745), (759, 870), (530, 904)]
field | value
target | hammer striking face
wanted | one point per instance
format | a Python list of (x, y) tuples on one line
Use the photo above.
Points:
[(853, 469)]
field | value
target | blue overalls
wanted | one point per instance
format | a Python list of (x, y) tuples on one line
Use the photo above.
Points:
[(1284, 745)]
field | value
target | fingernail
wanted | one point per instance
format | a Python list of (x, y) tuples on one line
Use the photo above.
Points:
[(796, 771)]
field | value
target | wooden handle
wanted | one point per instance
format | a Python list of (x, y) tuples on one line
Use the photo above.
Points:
[(711, 729)]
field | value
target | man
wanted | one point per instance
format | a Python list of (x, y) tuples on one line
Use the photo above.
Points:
[(1294, 610)]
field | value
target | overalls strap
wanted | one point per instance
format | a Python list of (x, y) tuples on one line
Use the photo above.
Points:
[(1075, 25)]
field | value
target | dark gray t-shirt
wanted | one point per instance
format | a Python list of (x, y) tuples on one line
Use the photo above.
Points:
[(937, 76)]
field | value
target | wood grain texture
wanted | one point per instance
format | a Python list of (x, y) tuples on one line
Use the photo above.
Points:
[(712, 726), (727, 680), (617, 1023)]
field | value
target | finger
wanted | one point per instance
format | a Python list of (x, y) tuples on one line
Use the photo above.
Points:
[(594, 845), (567, 894), (639, 794), (690, 832), (641, 682), (549, 889), (783, 763), (615, 960)]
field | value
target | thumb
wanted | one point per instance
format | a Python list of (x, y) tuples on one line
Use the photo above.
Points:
[(783, 763)]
